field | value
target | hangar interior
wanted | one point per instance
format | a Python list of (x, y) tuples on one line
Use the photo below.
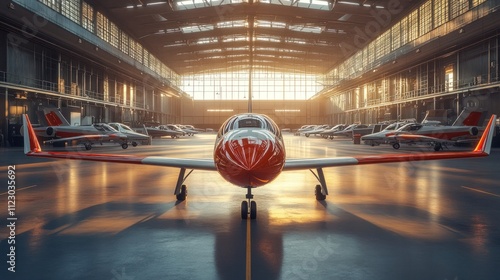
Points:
[(300, 62)]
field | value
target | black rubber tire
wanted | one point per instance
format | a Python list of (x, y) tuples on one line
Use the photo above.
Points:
[(396, 146), (244, 210), (183, 194), (253, 210)]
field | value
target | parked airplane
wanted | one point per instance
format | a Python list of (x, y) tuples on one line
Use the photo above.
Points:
[(463, 130), (133, 137), (59, 130), (380, 137), (161, 131), (329, 132), (249, 152)]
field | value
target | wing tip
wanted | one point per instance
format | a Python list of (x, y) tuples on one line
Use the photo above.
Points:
[(484, 144), (31, 144)]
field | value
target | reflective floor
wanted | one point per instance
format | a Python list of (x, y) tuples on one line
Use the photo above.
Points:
[(86, 220)]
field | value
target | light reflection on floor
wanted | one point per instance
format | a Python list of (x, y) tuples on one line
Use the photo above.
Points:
[(85, 220)]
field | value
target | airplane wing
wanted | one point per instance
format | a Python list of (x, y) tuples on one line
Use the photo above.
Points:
[(482, 149), (94, 137), (32, 148), (422, 138)]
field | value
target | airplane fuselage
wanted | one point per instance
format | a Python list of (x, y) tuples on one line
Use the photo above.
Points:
[(249, 150)]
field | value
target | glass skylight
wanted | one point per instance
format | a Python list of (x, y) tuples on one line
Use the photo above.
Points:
[(269, 24), (309, 4), (194, 4), (232, 24), (306, 28), (197, 28)]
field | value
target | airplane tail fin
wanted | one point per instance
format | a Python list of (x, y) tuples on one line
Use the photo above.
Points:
[(469, 118), (54, 117), (31, 144), (145, 130), (484, 144)]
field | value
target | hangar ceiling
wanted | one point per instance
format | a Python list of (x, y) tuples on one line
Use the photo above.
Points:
[(196, 36)]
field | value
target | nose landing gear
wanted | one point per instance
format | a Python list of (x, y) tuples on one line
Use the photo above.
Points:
[(247, 211)]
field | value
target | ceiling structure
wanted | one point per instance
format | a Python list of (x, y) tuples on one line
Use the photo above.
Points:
[(197, 36)]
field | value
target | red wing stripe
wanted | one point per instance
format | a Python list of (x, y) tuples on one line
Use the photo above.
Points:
[(415, 157), (91, 157)]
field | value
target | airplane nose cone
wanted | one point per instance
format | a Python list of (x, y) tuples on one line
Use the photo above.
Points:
[(249, 161)]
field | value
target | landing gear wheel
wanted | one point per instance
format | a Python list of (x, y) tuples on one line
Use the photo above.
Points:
[(244, 210), (253, 210), (396, 146), (182, 195), (438, 147), (134, 144), (88, 147), (124, 145), (319, 195)]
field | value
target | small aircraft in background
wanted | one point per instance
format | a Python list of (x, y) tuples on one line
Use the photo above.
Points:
[(160, 131), (249, 152), (463, 130), (59, 130), (133, 137)]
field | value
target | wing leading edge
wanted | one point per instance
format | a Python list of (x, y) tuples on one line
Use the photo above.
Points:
[(32, 148), (482, 149)]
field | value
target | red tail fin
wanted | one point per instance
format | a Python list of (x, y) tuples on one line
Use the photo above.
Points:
[(54, 117)]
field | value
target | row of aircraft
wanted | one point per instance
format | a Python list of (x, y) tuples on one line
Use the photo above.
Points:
[(249, 152), (58, 130), (465, 129)]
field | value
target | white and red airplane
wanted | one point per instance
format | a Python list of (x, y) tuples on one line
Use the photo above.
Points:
[(60, 130), (249, 152), (464, 129)]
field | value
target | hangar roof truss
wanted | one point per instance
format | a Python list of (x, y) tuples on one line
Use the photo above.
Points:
[(195, 36)]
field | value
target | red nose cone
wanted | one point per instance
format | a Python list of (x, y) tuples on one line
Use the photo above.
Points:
[(249, 161)]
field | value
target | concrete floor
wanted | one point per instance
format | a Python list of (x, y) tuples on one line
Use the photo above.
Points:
[(85, 220)]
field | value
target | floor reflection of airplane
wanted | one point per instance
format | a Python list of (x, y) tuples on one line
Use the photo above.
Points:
[(249, 152), (133, 137), (463, 130)]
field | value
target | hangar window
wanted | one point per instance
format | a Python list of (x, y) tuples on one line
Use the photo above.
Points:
[(425, 17), (458, 7), (440, 12), (88, 17), (71, 10), (102, 27), (114, 33)]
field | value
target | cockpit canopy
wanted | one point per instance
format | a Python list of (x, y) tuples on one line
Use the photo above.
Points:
[(104, 127), (250, 121)]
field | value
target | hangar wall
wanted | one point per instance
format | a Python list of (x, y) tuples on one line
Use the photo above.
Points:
[(406, 70), (464, 78)]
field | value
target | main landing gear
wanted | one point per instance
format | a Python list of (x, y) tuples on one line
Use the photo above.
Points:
[(320, 191), (180, 191), (245, 209)]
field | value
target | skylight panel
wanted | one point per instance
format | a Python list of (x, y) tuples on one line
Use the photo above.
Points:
[(273, 39), (194, 4), (235, 38), (232, 24), (308, 4), (204, 41), (210, 51), (237, 49), (296, 41), (269, 24), (197, 28), (306, 28)]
